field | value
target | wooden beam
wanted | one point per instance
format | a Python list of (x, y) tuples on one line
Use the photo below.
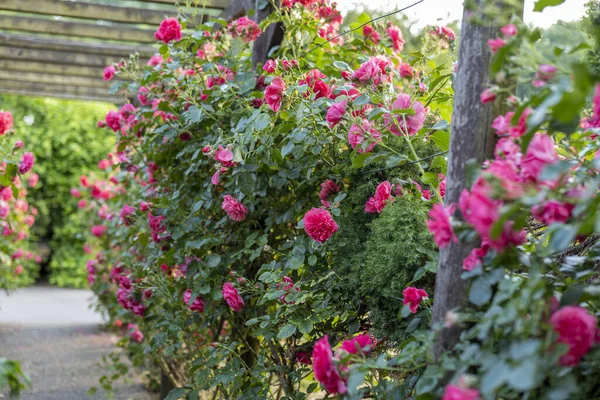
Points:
[(55, 57), (81, 9), (34, 93), (104, 49), (116, 32), (56, 89), (220, 4), (27, 76), (57, 69)]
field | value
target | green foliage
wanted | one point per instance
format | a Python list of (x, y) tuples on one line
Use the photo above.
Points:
[(12, 377)]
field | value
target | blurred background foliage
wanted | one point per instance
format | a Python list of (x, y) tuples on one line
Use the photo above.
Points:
[(66, 143)]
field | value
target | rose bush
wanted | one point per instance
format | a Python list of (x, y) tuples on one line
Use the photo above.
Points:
[(266, 230)]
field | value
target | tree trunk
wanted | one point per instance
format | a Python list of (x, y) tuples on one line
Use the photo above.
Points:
[(472, 139)]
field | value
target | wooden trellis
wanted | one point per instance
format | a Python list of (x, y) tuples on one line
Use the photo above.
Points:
[(59, 48)]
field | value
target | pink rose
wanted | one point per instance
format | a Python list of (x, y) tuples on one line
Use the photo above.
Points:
[(395, 35), (319, 224), (383, 195), (359, 344), (365, 133), (126, 211), (460, 393), (234, 209), (155, 60), (540, 153), (413, 297), (408, 124), (487, 96), (274, 93), (552, 211), (440, 226), (325, 370), (244, 28), (109, 72), (82, 204), (104, 164), (26, 163), (303, 358), (496, 44), (475, 258), (135, 334), (197, 305), (509, 30), (371, 34), (335, 113), (19, 144), (98, 230), (6, 122), (232, 297), (169, 30), (33, 180), (270, 66), (406, 70), (328, 189), (224, 156), (576, 328)]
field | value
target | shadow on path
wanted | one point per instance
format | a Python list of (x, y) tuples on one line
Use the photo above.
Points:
[(58, 340)]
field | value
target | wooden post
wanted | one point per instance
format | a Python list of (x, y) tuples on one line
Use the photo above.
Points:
[(472, 139)]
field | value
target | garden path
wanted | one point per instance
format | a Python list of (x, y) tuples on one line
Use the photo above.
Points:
[(57, 338)]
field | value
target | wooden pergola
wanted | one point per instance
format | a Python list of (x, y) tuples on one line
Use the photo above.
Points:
[(59, 48)]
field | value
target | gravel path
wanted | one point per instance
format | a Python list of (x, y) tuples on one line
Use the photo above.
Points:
[(58, 340)]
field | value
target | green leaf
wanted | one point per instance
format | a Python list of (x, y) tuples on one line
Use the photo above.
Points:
[(213, 260), (286, 331), (541, 4), (358, 161), (262, 121), (441, 139), (287, 149), (480, 292), (414, 324), (525, 376), (306, 326), (176, 394)]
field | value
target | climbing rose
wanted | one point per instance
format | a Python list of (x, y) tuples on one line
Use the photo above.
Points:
[(460, 393), (155, 60), (509, 30), (475, 258), (273, 93), (383, 195), (224, 156), (135, 334), (540, 153), (374, 70), (244, 28), (357, 135), (371, 34), (109, 73), (552, 211), (396, 37), (232, 297), (126, 211), (440, 226), (324, 368), (19, 144), (104, 164), (413, 123), (19, 270), (169, 30), (487, 96), (413, 297), (328, 188), (577, 329), (197, 305), (496, 44), (358, 344), (26, 163), (6, 122), (98, 230), (335, 113), (236, 210), (33, 180), (270, 66), (319, 224), (406, 70), (303, 358)]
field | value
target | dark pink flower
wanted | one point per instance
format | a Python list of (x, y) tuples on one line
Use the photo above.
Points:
[(359, 344), (6, 122), (169, 30), (413, 297), (234, 209), (244, 28), (509, 30), (496, 44), (576, 328), (406, 70), (408, 124), (328, 189), (365, 133), (475, 258), (396, 37), (270, 66), (33, 180), (126, 211), (155, 60), (109, 72), (135, 334), (224, 156), (197, 305), (274, 93), (540, 153), (319, 224), (19, 144), (335, 113), (487, 96), (303, 357), (460, 393), (440, 226), (325, 370), (383, 195), (371, 34), (232, 297), (104, 164), (552, 211), (98, 230), (26, 163)]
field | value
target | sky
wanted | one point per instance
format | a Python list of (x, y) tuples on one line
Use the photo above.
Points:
[(438, 12)]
